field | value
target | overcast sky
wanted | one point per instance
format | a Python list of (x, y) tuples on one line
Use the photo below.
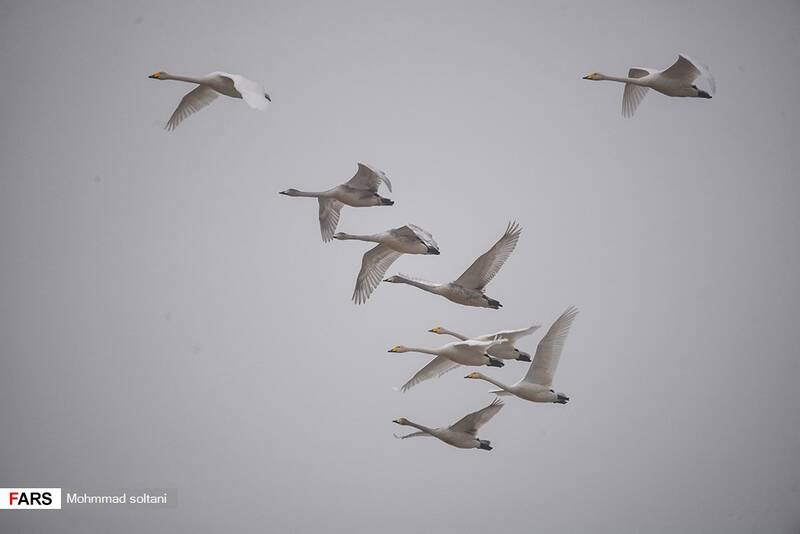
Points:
[(169, 320)]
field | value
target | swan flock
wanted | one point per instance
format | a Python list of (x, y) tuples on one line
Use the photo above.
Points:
[(684, 78)]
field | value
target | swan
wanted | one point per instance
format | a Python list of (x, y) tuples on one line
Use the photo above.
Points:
[(468, 288), (463, 433), (450, 356), (677, 80), (504, 350), (392, 244), (208, 88), (360, 191), (536, 385)]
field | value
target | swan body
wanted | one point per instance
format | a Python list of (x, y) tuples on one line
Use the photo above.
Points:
[(360, 191), (505, 350), (536, 385), (470, 352), (468, 289), (392, 244), (462, 434), (677, 80), (208, 88)]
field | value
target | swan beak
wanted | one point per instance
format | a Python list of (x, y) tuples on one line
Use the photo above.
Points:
[(396, 421), (267, 97), (155, 75), (282, 193), (586, 77), (434, 330), (393, 349)]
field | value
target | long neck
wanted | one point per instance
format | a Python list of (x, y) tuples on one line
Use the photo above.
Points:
[(495, 382), (420, 427), (423, 351), (622, 79), (190, 79), (416, 283), (454, 334), (373, 238), (311, 194)]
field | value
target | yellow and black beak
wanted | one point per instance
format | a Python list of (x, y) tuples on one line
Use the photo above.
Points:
[(155, 76)]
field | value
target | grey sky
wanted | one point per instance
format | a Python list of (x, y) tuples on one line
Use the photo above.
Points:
[(168, 320)]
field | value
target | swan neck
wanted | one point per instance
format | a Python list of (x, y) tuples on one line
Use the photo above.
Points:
[(420, 427), (423, 286), (622, 79), (423, 351), (372, 238), (308, 194), (455, 334), (190, 79), (495, 382)]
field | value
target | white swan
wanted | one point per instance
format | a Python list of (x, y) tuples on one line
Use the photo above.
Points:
[(504, 350), (677, 80), (360, 191), (537, 383), (468, 288), (392, 244), (463, 433), (208, 88), (450, 356)]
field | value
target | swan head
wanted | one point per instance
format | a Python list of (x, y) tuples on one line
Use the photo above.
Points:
[(474, 375), (290, 192), (399, 348), (400, 421), (394, 279), (437, 330), (593, 76), (160, 75)]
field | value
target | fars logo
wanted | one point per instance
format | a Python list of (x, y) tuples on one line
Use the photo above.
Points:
[(30, 498)]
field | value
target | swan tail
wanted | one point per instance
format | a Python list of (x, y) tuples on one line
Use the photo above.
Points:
[(493, 304), (561, 398), (484, 444)]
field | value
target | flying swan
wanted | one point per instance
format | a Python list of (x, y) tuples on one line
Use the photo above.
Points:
[(505, 350), (450, 356), (208, 88), (468, 288), (537, 384), (463, 433), (360, 191), (392, 244), (677, 80)]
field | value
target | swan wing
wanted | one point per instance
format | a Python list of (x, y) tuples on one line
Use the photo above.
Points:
[(700, 71), (513, 335), (633, 94), (253, 93), (486, 267), (368, 178), (329, 209), (195, 100), (543, 366), (435, 368), (373, 266), (412, 232), (683, 69), (471, 423)]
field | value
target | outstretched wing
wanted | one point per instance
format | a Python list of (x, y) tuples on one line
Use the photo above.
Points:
[(435, 368), (471, 423), (544, 364), (633, 94), (328, 217), (683, 69), (513, 335), (368, 178), (373, 266), (484, 268), (195, 100), (253, 93)]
